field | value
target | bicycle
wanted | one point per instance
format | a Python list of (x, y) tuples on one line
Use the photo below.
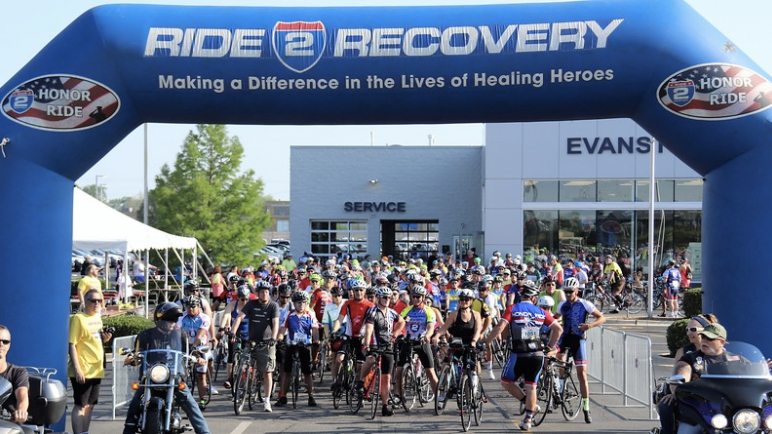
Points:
[(557, 389), (324, 360), (460, 377), (415, 383), (600, 296), (192, 372), (373, 383), (247, 380), (221, 354), (296, 373), (347, 381)]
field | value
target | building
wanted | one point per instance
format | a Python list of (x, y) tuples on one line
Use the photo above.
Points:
[(571, 189), (279, 210)]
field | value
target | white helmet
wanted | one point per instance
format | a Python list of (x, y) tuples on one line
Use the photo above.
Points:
[(571, 282), (546, 303)]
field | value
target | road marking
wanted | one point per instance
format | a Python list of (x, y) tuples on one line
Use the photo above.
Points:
[(241, 428)]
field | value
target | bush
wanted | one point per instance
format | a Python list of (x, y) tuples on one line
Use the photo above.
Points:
[(127, 325), (692, 302), (676, 335)]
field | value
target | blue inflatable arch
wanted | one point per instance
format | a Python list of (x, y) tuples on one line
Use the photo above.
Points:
[(116, 67)]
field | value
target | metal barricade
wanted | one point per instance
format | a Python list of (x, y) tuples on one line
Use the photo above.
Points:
[(122, 375), (622, 364)]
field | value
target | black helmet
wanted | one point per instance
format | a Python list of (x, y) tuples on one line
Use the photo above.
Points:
[(167, 312), (233, 278), (299, 296), (243, 291), (191, 285), (336, 291), (468, 285), (370, 291), (191, 301), (285, 289)]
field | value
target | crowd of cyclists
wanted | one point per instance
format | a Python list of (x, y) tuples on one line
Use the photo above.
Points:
[(386, 316)]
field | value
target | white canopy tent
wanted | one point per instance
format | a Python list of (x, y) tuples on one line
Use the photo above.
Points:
[(97, 226)]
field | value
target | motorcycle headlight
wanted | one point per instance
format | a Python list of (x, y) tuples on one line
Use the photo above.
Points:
[(746, 421), (719, 421), (159, 373), (768, 422)]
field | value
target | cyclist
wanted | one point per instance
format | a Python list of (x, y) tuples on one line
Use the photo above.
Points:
[(525, 321), (352, 313), (433, 286), (485, 304), (463, 323), (301, 329), (196, 324), (454, 289), (263, 317), (615, 280), (382, 325), (574, 313), (165, 335), (549, 290), (228, 294), (192, 288), (672, 278), (419, 325), (228, 319)]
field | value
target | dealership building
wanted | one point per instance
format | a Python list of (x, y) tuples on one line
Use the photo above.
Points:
[(566, 188)]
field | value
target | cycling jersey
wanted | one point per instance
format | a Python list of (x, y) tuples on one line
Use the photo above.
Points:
[(319, 300), (299, 326), (417, 321), (478, 305), (525, 321), (383, 324), (673, 277), (243, 331), (453, 299), (355, 311), (190, 325), (555, 297), (573, 315), (614, 273)]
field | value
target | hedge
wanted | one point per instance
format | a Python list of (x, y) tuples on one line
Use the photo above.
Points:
[(127, 325), (692, 302), (676, 335)]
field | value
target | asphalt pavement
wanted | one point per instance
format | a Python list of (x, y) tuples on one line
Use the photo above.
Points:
[(501, 414)]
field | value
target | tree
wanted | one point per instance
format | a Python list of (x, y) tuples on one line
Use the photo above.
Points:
[(97, 192), (206, 197)]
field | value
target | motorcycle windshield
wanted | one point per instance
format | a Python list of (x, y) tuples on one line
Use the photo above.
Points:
[(171, 358), (739, 360)]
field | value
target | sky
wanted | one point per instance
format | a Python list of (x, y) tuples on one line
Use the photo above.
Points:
[(267, 148)]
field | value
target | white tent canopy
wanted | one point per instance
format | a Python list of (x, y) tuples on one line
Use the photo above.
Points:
[(97, 226)]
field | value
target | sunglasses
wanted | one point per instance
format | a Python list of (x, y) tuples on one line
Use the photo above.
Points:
[(358, 290), (94, 300), (418, 296), (5, 341), (284, 298), (242, 299), (464, 299), (694, 329), (710, 339)]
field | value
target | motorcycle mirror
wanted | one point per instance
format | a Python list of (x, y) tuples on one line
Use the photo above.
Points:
[(676, 379)]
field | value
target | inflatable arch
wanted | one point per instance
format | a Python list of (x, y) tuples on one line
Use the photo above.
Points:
[(116, 67)]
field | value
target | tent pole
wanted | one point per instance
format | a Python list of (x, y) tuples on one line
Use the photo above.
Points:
[(195, 263), (166, 265), (147, 280), (211, 264), (107, 272), (180, 258)]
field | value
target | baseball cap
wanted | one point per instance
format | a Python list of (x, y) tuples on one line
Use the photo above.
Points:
[(714, 331)]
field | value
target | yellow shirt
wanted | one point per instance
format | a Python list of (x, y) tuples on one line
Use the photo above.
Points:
[(88, 282), (84, 333)]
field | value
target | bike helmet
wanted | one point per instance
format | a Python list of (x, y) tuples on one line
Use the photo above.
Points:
[(299, 297), (370, 291), (191, 301), (478, 270), (547, 279), (381, 281), (285, 289), (329, 274), (234, 278), (336, 291), (418, 290), (415, 278), (262, 284), (468, 285), (466, 293), (571, 282), (243, 291), (435, 273), (546, 303), (191, 285), (383, 291), (521, 275), (529, 289), (483, 286), (357, 284), (486, 278), (167, 312)]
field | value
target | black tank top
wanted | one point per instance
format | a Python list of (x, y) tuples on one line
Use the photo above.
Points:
[(463, 330)]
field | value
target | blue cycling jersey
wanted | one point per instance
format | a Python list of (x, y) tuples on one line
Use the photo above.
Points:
[(574, 314)]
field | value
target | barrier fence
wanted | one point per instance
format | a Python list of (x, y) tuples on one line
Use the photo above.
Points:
[(622, 364), (122, 375)]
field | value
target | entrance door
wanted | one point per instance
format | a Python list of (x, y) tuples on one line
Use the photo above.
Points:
[(410, 239)]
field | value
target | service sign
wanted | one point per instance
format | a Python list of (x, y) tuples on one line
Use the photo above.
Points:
[(715, 91), (61, 103)]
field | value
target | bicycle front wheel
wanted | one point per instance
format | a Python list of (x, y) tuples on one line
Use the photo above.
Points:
[(323, 360), (477, 403), (443, 389), (466, 402), (635, 302), (375, 393), (240, 380), (600, 302), (571, 400), (409, 387), (543, 399), (295, 383)]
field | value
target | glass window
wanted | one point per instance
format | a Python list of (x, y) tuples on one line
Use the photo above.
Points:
[(578, 234), (641, 191), (281, 210), (540, 191), (336, 237), (578, 191), (320, 225), (688, 190), (416, 239), (282, 225), (615, 191), (665, 190), (541, 231)]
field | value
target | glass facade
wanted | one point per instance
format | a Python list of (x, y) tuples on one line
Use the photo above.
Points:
[(611, 190), (416, 239), (331, 237)]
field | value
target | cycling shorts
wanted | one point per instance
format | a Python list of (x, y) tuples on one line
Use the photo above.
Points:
[(576, 346), (357, 344), (526, 365), (424, 352), (387, 358), (304, 353)]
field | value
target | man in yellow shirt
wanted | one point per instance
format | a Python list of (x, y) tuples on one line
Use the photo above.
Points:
[(89, 281), (86, 367)]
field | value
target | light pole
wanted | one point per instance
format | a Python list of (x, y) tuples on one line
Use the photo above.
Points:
[(96, 187)]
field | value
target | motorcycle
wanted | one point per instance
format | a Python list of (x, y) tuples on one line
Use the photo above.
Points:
[(163, 372), (47, 403), (732, 396)]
